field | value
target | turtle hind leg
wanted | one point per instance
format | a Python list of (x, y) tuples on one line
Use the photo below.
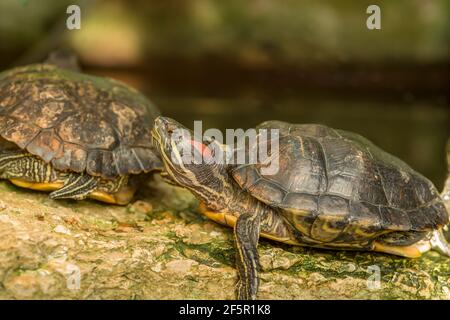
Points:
[(78, 187), (439, 242), (410, 244), (246, 232), (436, 241)]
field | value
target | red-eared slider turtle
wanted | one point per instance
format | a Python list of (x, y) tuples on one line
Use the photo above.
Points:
[(333, 189), (76, 135)]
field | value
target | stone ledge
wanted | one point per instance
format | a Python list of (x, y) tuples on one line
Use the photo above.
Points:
[(159, 248)]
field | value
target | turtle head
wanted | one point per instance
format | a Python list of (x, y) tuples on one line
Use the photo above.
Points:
[(189, 161)]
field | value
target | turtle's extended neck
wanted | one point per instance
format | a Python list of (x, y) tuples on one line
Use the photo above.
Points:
[(222, 194), (213, 186), (226, 196)]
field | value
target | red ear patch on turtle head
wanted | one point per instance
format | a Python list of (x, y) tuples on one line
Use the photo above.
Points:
[(202, 148)]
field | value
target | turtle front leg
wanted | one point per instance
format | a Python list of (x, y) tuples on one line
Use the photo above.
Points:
[(28, 171), (246, 233), (78, 187)]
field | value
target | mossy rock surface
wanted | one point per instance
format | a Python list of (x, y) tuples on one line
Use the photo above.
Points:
[(158, 247)]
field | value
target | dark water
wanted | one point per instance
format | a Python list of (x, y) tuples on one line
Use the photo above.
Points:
[(416, 133), (415, 130)]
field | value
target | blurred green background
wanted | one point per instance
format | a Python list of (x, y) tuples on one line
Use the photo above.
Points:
[(236, 63)]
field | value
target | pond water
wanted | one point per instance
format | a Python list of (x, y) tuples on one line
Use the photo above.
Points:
[(413, 129), (416, 133)]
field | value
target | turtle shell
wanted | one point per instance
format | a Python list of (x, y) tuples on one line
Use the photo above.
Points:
[(332, 184), (77, 122)]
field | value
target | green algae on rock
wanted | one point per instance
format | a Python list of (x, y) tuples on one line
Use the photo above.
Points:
[(158, 247)]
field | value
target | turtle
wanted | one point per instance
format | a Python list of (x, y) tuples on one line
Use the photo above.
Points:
[(74, 135), (333, 189)]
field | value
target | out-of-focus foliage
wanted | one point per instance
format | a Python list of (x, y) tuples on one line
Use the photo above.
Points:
[(260, 31), (298, 31), (112, 35), (27, 24)]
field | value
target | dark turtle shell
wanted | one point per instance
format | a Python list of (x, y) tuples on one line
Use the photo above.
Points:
[(76, 121), (332, 180)]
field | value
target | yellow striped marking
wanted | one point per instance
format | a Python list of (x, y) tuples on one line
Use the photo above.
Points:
[(230, 220)]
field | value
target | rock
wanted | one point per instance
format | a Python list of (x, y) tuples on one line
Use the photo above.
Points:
[(159, 248)]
